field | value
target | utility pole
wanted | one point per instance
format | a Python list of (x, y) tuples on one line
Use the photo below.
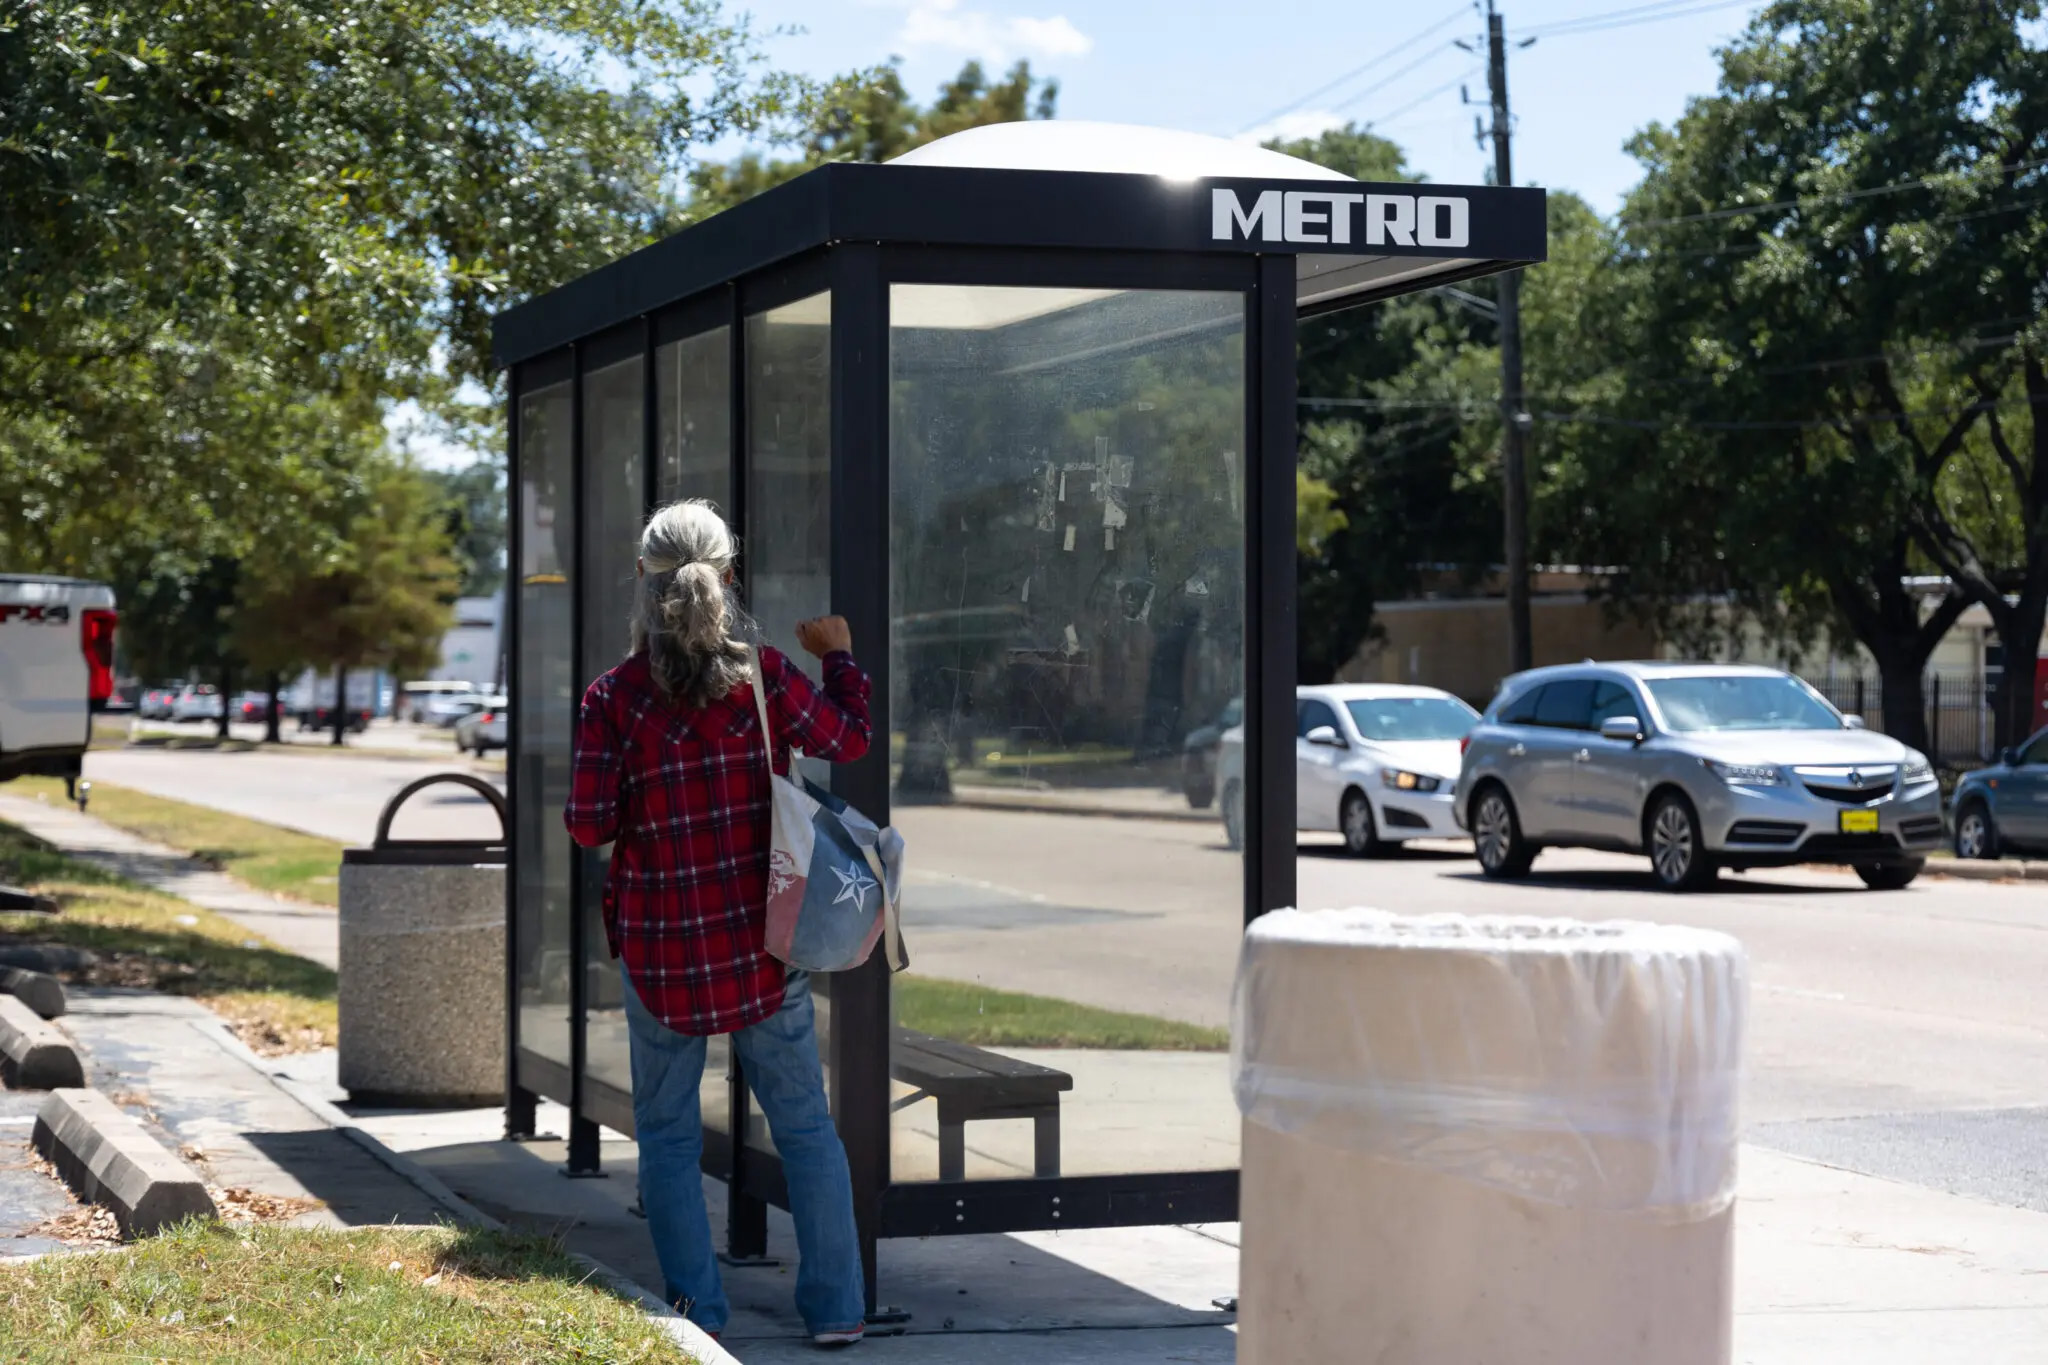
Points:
[(1514, 413)]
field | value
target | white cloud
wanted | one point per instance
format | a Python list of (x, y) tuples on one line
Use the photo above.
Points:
[(1288, 127), (944, 26)]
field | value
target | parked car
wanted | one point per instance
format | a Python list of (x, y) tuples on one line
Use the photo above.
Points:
[(252, 707), (1198, 755), (452, 709), (202, 701), (483, 729), (2004, 808), (1698, 766), (1374, 762), (156, 703), (56, 669)]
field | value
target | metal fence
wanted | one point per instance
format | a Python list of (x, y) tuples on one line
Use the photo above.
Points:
[(1960, 723)]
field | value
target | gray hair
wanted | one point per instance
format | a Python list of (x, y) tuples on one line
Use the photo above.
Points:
[(685, 615)]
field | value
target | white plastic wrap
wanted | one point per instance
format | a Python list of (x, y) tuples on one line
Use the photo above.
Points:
[(1586, 1065)]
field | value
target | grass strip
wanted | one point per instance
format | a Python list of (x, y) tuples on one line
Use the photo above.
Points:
[(278, 1001), (207, 1292), (968, 1013), (282, 861)]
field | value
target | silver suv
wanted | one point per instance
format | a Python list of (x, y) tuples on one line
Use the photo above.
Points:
[(1699, 766)]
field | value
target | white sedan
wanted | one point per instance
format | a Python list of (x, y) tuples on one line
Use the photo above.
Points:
[(483, 728), (1375, 762)]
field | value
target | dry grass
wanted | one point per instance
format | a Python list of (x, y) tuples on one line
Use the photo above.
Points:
[(282, 861), (277, 1001), (423, 1296)]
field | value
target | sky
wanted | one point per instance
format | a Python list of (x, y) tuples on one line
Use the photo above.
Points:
[(1289, 68), (1254, 67)]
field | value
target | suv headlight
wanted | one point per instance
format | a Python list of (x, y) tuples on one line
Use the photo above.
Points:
[(1403, 781), (1918, 771), (1746, 774)]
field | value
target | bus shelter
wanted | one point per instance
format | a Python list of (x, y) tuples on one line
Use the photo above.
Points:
[(1020, 406)]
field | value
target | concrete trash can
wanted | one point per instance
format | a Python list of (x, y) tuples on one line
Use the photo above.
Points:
[(422, 992), (1486, 1139)]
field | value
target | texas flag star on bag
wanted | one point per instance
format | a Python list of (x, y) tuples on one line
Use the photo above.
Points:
[(835, 879)]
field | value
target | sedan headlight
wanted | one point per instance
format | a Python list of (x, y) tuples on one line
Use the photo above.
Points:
[(1918, 772), (1746, 774), (1403, 781)]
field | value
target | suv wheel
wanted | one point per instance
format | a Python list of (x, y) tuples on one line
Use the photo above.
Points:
[(1497, 836), (1361, 835), (1890, 876), (1233, 815), (1976, 835), (1678, 850)]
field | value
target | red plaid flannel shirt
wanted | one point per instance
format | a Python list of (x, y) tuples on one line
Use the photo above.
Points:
[(682, 797)]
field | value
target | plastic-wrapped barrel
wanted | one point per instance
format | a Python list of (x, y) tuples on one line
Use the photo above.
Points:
[(1486, 1139), (422, 964)]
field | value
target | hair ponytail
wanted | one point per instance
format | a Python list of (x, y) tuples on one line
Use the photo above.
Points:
[(685, 615)]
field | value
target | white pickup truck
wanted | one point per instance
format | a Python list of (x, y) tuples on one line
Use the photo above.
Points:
[(56, 669)]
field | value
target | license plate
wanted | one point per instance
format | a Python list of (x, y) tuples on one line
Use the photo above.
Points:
[(1859, 822)]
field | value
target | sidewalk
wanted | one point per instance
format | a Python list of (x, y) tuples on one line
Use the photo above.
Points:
[(297, 926), (1831, 1266)]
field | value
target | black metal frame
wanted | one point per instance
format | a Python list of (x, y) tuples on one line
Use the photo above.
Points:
[(857, 230)]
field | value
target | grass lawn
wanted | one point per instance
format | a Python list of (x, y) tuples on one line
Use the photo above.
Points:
[(207, 1292), (986, 1018), (278, 1001), (283, 861)]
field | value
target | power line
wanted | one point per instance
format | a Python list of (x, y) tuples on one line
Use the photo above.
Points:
[(1759, 244), (1941, 179), (1627, 18), (1453, 17), (1467, 407), (1422, 99), (1373, 89)]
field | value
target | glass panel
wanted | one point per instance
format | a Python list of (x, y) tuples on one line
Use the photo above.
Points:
[(1067, 592), (693, 459), (788, 545), (693, 378), (542, 711), (614, 497), (787, 548)]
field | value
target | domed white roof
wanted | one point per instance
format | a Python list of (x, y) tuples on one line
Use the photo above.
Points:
[(1117, 148)]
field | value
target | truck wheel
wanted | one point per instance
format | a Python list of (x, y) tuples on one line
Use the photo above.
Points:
[(1976, 832)]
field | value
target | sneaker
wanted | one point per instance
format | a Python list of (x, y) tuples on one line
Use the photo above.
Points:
[(844, 1337)]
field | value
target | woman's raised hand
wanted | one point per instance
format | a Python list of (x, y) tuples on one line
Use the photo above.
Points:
[(825, 635)]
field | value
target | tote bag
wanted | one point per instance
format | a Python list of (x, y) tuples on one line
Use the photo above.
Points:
[(834, 878)]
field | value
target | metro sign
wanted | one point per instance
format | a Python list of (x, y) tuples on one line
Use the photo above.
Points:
[(1342, 218)]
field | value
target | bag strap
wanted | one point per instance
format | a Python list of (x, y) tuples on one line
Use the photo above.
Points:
[(761, 706)]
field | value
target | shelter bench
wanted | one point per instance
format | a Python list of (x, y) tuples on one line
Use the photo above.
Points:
[(969, 1084)]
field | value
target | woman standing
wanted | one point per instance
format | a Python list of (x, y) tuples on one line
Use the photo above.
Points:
[(669, 769)]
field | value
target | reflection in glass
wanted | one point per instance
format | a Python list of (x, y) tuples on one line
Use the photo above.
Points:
[(693, 459), (542, 711), (693, 444), (1067, 597), (788, 543), (787, 548), (614, 493)]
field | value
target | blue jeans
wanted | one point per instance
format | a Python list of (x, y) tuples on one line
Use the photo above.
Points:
[(780, 1058)]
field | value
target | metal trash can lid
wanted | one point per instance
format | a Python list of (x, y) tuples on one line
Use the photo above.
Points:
[(435, 852)]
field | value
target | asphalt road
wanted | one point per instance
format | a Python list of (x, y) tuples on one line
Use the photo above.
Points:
[(1904, 1034)]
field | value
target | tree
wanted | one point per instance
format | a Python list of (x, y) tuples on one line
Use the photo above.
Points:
[(1828, 288), (475, 499), (243, 205), (372, 586), (869, 116)]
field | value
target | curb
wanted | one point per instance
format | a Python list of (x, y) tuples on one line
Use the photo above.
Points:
[(1058, 807), (14, 899), (1988, 869), (41, 993), (686, 1334), (110, 1159), (34, 1055)]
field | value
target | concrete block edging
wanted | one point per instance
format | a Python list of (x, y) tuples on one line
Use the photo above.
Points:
[(109, 1158), (34, 1054), (39, 991)]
